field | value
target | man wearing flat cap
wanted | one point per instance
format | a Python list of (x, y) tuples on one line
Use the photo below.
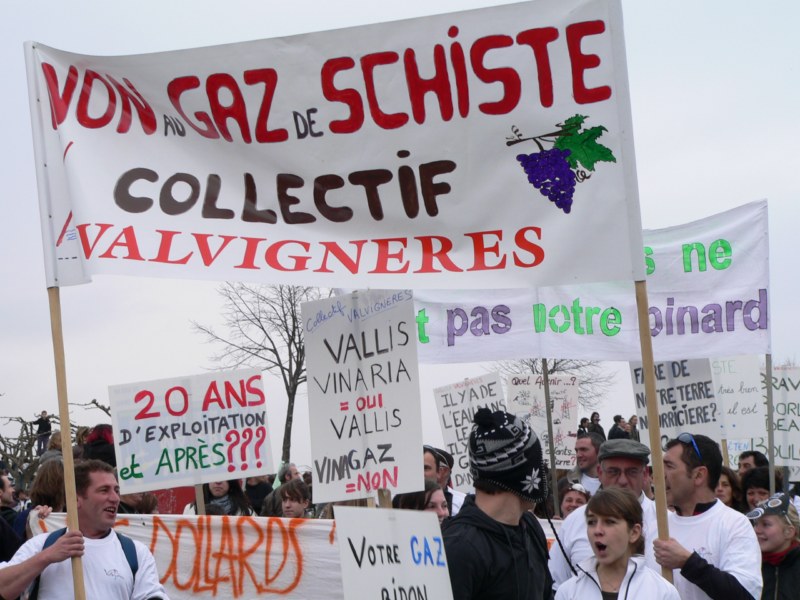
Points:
[(621, 464)]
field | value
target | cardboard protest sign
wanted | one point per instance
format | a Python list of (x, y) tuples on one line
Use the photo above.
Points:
[(685, 396), (190, 430), (526, 399), (457, 404), (737, 387), (786, 417), (363, 394), (473, 149), (391, 554)]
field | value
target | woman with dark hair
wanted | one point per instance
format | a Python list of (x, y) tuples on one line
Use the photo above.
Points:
[(729, 490), (617, 569), (295, 499), (47, 490), (777, 528), (595, 427), (755, 486), (430, 499), (228, 495)]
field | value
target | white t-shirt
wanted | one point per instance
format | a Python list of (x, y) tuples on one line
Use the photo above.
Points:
[(106, 572), (592, 484), (726, 539), (576, 544)]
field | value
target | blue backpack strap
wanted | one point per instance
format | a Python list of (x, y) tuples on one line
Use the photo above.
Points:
[(129, 548), (49, 541)]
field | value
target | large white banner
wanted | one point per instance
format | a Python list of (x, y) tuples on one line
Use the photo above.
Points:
[(245, 558), (707, 283), (390, 554), (481, 149), (190, 430), (363, 395), (456, 404)]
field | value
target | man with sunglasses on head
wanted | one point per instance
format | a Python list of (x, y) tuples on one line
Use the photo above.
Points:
[(621, 464), (712, 548)]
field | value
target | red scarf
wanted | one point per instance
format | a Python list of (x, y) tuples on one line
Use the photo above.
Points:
[(776, 558)]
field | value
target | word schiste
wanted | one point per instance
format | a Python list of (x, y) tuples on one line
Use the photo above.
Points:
[(364, 394), (456, 404), (190, 430), (391, 554)]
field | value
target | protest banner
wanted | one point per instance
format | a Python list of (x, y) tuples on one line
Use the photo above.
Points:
[(686, 400), (387, 554), (737, 387), (241, 557), (526, 398), (786, 417), (190, 430), (456, 404), (708, 285), (309, 159), (363, 394)]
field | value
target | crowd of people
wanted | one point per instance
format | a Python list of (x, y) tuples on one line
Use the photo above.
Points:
[(729, 538)]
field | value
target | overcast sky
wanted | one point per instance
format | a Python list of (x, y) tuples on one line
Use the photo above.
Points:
[(714, 93)]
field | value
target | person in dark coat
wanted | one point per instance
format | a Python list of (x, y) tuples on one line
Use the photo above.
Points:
[(495, 547), (595, 427), (778, 531)]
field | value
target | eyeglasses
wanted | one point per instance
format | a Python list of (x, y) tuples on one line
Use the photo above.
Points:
[(688, 438), (631, 473)]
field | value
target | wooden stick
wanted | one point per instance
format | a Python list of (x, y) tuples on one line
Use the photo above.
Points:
[(199, 500), (384, 498), (549, 413), (54, 299), (656, 456), (770, 426), (726, 460)]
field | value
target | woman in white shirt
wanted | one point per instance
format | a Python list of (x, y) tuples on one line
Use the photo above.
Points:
[(617, 570)]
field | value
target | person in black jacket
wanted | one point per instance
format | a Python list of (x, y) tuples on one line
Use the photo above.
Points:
[(778, 531), (595, 427), (495, 547)]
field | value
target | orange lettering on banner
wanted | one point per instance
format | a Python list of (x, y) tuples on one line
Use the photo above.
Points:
[(229, 554)]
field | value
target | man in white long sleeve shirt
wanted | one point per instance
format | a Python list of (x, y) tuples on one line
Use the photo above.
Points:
[(621, 463), (712, 549)]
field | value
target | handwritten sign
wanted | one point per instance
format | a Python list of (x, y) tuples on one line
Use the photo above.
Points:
[(685, 396), (244, 557), (363, 392), (737, 386), (526, 399), (388, 554), (786, 417), (190, 430), (457, 404)]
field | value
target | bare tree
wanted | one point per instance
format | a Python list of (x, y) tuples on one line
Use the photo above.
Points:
[(594, 381), (264, 330)]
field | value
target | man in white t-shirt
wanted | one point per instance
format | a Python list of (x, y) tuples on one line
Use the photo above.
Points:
[(106, 568), (585, 472), (622, 463), (712, 549)]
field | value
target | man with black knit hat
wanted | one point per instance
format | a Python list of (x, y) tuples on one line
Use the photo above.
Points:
[(495, 547)]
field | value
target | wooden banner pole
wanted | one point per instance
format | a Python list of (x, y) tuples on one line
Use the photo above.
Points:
[(199, 500), (549, 413), (726, 460), (656, 455), (770, 426), (54, 299)]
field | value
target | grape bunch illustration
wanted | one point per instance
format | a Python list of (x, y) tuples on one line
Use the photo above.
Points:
[(555, 171)]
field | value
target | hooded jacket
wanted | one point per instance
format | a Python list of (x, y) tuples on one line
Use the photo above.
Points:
[(488, 560), (639, 582), (782, 582)]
